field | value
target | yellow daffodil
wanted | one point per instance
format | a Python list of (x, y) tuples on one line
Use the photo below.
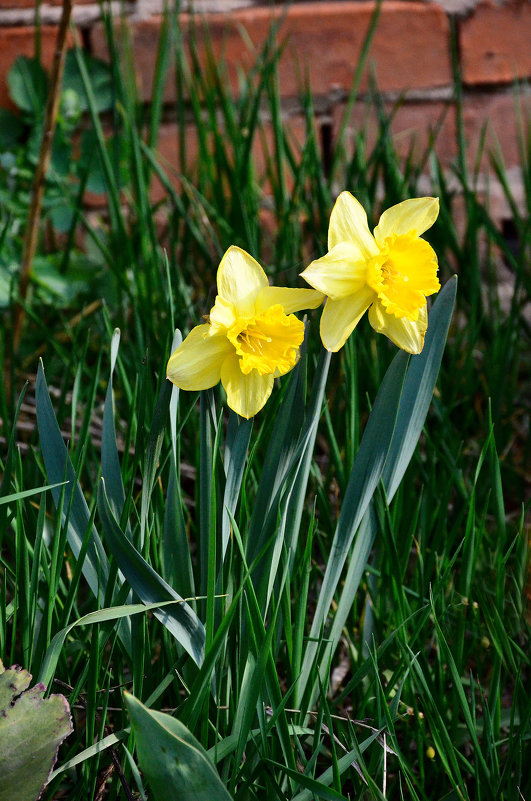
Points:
[(390, 273), (251, 336)]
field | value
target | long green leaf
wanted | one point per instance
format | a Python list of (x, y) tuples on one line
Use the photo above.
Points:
[(58, 468), (174, 762), (18, 496), (100, 616), (415, 399), (110, 462), (177, 563), (182, 622), (236, 445), (364, 478), (156, 436), (278, 461)]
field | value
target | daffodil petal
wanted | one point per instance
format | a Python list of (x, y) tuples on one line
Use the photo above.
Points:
[(348, 223), (196, 364), (292, 300), (341, 272), (340, 317), (246, 394), (221, 316), (406, 334), (417, 214), (240, 278)]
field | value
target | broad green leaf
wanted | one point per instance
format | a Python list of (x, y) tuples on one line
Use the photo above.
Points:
[(289, 479), (181, 621), (296, 483), (100, 81), (418, 389), (28, 85), (31, 730), (173, 761), (364, 478), (62, 288), (415, 399), (58, 468), (62, 217), (74, 506)]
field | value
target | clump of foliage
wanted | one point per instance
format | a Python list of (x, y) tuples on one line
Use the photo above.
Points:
[(186, 558)]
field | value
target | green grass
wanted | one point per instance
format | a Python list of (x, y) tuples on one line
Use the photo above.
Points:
[(432, 649)]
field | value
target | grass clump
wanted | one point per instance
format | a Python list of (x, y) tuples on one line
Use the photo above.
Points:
[(414, 681)]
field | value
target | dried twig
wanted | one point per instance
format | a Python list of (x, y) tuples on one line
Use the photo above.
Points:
[(34, 215)]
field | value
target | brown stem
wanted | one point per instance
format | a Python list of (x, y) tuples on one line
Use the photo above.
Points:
[(34, 215)]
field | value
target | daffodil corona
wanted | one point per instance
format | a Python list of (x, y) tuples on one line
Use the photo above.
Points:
[(251, 337), (389, 273)]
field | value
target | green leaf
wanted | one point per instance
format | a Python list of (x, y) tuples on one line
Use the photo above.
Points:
[(318, 789), (58, 468), (181, 621), (174, 762), (277, 463), (93, 750), (110, 462), (62, 216), (11, 129), (418, 389), (235, 459), (100, 616), (28, 85), (100, 81), (364, 478), (156, 437), (47, 276), (177, 562), (31, 731), (17, 496), (414, 402), (61, 158)]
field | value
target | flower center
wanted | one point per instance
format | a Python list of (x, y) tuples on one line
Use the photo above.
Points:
[(268, 342), (403, 274)]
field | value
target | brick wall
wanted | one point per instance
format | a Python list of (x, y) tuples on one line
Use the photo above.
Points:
[(410, 56)]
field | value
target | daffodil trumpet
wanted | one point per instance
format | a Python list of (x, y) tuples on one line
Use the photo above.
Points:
[(251, 336), (389, 273)]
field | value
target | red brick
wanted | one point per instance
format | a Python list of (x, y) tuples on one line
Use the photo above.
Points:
[(15, 5), (262, 150), (21, 42), (499, 112), (413, 126), (169, 160), (410, 48), (495, 43), (413, 123)]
